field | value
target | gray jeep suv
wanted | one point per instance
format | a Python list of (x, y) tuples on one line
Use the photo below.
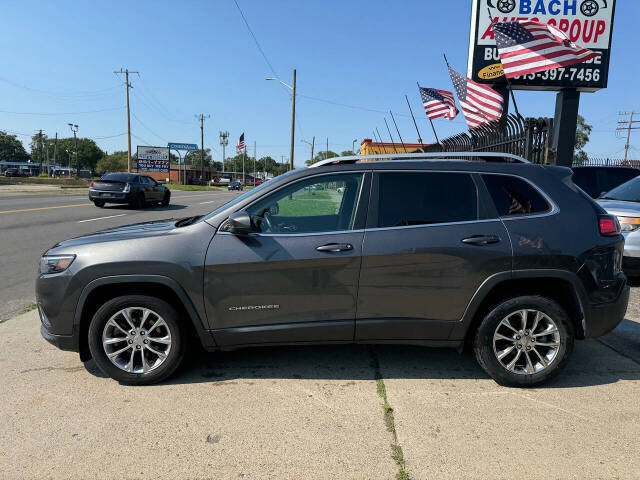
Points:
[(508, 258)]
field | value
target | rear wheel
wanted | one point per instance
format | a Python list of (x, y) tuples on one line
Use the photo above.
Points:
[(98, 203), (166, 199), (136, 339), (524, 341), (138, 201)]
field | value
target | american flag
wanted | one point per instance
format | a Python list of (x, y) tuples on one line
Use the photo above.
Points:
[(438, 103), (240, 145), (529, 47), (480, 104)]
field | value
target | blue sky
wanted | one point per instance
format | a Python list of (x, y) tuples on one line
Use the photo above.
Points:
[(198, 57)]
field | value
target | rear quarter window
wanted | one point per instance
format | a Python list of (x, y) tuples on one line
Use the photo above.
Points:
[(514, 196)]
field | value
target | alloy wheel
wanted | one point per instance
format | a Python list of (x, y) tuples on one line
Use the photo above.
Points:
[(526, 341), (136, 340)]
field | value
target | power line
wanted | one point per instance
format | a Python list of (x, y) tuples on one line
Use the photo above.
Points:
[(630, 122), (93, 93), (62, 113), (148, 129), (256, 40)]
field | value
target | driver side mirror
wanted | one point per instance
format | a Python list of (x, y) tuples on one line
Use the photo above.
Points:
[(240, 223)]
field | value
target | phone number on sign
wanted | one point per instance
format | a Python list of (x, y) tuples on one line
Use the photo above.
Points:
[(580, 74)]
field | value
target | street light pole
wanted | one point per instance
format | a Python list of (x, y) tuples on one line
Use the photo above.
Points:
[(353, 145), (293, 114)]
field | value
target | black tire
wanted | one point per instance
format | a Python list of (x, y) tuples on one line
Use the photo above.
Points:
[(98, 203), (166, 199), (138, 201), (171, 318), (487, 357)]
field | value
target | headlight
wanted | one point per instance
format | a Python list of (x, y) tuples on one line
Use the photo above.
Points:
[(55, 263), (629, 224), (127, 188)]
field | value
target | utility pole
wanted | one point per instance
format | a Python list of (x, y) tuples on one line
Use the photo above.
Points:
[(74, 129), (628, 128), (128, 86), (327, 154), (313, 142), (255, 156), (55, 150), (224, 141), (40, 148), (202, 118), (293, 119)]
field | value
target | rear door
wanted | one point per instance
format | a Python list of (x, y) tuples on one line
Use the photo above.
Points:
[(432, 238), (295, 279)]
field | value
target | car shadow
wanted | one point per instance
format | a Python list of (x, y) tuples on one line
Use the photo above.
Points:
[(151, 208), (593, 362)]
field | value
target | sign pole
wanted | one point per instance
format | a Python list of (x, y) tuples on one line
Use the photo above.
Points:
[(565, 124)]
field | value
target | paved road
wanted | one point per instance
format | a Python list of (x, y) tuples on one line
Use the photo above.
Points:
[(30, 223)]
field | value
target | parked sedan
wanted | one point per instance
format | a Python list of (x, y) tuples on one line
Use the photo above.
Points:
[(235, 185), (135, 189), (15, 172), (624, 202)]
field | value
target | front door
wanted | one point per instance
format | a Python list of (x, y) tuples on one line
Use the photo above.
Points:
[(294, 279), (430, 242)]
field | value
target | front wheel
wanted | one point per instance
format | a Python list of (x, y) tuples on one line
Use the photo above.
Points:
[(136, 339), (524, 341)]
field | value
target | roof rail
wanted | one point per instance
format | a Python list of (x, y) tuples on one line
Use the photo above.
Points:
[(422, 156)]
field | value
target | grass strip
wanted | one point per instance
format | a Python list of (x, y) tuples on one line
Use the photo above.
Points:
[(396, 449)]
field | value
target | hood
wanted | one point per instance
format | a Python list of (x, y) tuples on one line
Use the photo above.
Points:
[(126, 232), (621, 208)]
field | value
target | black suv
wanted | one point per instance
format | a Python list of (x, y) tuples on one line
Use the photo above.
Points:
[(600, 179), (508, 258)]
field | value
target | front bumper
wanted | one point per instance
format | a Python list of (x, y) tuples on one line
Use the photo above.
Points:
[(600, 319), (69, 343)]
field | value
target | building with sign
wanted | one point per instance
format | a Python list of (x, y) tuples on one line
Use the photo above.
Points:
[(369, 147)]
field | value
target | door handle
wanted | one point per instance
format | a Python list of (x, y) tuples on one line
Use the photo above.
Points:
[(335, 247), (481, 240)]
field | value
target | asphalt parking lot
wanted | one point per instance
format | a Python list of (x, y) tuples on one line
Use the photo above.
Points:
[(310, 412)]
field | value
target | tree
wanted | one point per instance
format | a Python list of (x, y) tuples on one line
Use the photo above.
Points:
[(323, 155), (347, 153), (38, 147), (195, 158), (583, 131), (11, 149), (116, 162)]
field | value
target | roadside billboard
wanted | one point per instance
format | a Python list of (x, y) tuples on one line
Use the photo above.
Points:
[(153, 159), (588, 23)]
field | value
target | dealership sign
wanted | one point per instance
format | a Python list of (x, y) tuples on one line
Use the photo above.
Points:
[(153, 159), (587, 23)]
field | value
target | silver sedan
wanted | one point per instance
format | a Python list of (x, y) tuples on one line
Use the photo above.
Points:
[(624, 203)]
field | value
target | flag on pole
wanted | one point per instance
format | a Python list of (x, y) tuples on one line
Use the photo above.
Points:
[(529, 47), (480, 104), (438, 103), (240, 145)]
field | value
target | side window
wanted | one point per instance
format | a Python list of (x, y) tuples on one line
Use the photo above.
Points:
[(322, 204), (150, 180), (424, 198), (143, 180), (513, 196)]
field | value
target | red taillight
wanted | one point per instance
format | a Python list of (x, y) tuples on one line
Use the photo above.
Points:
[(609, 226), (91, 185)]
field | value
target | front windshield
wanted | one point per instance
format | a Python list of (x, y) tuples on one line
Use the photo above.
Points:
[(628, 192), (246, 194)]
